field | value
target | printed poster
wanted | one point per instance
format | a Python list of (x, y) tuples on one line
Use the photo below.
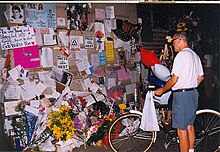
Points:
[(27, 57), (89, 42), (41, 15), (62, 62), (109, 48), (15, 37), (75, 42)]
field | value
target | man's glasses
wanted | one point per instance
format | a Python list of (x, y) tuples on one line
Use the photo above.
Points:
[(174, 39)]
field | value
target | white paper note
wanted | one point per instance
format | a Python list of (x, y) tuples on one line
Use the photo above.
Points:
[(47, 57), (10, 107), (130, 88), (63, 38), (111, 82), (40, 87), (14, 73), (12, 92), (94, 60), (110, 12)]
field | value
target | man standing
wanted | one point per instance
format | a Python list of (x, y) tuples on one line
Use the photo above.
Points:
[(187, 74)]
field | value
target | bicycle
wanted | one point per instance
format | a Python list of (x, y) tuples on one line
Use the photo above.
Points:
[(125, 133)]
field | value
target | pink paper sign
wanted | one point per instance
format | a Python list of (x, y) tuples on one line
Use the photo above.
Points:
[(27, 57)]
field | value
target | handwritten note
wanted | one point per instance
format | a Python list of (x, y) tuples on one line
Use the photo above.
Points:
[(15, 37)]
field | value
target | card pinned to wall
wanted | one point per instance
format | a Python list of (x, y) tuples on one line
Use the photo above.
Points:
[(99, 13), (41, 15), (82, 54), (50, 39), (111, 82), (110, 11), (94, 60), (27, 57), (102, 58), (63, 38), (39, 37), (61, 21), (82, 64)]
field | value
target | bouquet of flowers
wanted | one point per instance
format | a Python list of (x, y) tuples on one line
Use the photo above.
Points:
[(61, 123)]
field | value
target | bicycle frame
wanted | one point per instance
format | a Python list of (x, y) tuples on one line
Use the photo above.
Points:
[(159, 123), (140, 113)]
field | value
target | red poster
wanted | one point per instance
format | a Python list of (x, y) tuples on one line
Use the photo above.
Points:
[(27, 57)]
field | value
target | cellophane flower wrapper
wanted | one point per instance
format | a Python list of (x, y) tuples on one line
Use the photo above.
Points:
[(68, 145), (41, 132), (31, 120), (47, 145)]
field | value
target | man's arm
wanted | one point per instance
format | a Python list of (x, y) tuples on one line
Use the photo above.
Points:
[(170, 83), (200, 79)]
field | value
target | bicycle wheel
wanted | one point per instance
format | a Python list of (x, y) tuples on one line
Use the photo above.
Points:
[(207, 129), (125, 135)]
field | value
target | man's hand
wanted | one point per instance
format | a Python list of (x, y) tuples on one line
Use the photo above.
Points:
[(159, 92), (170, 83)]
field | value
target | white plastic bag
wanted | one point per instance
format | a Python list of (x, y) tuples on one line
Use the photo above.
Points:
[(149, 120)]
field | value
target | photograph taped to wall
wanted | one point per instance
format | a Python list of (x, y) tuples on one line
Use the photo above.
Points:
[(16, 14), (50, 39), (61, 75)]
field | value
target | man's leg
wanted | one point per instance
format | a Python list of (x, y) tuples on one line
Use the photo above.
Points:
[(191, 136), (184, 140)]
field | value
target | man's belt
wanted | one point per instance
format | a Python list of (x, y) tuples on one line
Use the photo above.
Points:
[(184, 90)]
